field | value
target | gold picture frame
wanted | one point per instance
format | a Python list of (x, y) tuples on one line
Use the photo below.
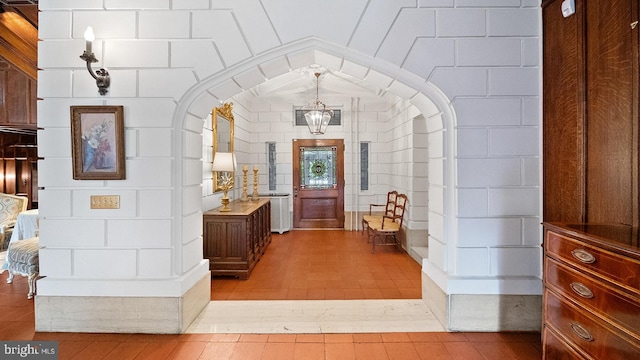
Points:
[(97, 142)]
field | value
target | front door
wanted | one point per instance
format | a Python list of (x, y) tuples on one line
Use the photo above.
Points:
[(318, 183)]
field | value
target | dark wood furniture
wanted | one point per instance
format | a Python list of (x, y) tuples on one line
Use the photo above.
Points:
[(389, 210), (384, 229), (590, 112), (591, 295), (235, 240), (591, 176)]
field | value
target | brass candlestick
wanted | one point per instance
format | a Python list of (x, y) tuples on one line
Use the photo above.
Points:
[(244, 184), (255, 196)]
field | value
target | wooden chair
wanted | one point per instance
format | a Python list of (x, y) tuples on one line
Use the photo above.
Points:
[(386, 229), (389, 210)]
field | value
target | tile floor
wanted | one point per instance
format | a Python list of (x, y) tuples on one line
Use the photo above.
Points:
[(17, 323), (325, 265)]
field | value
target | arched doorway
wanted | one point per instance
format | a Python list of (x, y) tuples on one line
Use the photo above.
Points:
[(434, 111)]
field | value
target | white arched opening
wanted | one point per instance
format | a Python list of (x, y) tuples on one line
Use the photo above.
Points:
[(434, 112)]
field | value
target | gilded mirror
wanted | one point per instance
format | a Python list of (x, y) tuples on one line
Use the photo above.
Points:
[(222, 121)]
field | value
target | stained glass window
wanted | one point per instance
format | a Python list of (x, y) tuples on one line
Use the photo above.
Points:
[(318, 167)]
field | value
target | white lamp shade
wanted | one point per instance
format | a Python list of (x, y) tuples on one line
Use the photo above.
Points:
[(224, 161)]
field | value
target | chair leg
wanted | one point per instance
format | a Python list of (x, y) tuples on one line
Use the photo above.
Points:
[(32, 285), (10, 278), (373, 241), (371, 238)]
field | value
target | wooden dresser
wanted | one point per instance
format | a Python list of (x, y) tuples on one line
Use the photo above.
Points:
[(235, 240), (591, 301)]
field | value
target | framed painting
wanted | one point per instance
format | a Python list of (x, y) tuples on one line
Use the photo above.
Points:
[(97, 142)]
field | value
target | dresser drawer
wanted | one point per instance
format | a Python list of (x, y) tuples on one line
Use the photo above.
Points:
[(615, 268), (556, 348), (586, 332), (593, 295)]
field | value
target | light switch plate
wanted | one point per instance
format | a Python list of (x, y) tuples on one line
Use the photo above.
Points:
[(568, 8), (105, 201)]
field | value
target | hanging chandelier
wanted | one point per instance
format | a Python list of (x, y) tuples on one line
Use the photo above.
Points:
[(317, 114)]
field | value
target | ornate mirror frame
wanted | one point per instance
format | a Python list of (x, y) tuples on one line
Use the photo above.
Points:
[(222, 121)]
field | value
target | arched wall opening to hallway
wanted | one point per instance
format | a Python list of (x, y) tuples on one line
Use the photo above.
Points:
[(433, 116)]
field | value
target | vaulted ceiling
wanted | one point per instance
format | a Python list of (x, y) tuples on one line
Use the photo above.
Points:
[(19, 35), (19, 40)]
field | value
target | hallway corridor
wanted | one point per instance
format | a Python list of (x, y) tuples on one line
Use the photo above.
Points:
[(325, 265)]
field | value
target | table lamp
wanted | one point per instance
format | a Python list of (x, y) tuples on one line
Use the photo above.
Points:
[(225, 164)]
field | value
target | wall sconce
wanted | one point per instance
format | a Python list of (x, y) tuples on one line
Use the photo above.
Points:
[(102, 76)]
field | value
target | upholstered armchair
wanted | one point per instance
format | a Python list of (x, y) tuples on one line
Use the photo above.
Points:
[(10, 207)]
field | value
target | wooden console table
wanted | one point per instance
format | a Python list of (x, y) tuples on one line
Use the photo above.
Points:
[(234, 241)]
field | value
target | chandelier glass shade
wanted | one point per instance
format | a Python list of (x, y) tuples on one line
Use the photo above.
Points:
[(317, 114)]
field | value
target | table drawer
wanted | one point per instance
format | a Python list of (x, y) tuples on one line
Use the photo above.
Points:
[(593, 295), (587, 332), (615, 268)]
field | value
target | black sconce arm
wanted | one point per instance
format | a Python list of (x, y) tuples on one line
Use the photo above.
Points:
[(103, 80)]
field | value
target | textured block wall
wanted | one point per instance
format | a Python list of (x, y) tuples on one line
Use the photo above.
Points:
[(471, 68)]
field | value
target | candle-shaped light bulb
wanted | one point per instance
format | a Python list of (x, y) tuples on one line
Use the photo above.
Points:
[(89, 37)]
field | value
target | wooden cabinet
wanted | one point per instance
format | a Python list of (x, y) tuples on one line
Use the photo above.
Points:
[(18, 98), (590, 112), (591, 295), (235, 240)]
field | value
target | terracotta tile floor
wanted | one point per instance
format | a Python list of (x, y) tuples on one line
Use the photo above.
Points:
[(325, 265), (17, 323)]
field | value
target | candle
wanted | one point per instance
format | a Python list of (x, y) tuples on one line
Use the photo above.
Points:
[(255, 168), (89, 37), (245, 168)]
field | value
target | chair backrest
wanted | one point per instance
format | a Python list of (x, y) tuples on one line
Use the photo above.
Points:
[(391, 203), (11, 206), (400, 206)]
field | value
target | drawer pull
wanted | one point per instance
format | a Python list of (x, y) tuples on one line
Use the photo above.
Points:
[(581, 331), (584, 256), (582, 290)]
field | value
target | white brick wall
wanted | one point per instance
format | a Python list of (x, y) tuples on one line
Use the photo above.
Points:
[(471, 72)]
